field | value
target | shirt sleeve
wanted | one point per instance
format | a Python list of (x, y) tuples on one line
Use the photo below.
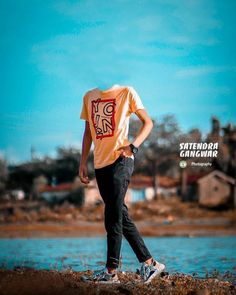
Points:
[(84, 111), (135, 100)]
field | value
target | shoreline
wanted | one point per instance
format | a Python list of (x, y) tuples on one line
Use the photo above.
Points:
[(90, 229)]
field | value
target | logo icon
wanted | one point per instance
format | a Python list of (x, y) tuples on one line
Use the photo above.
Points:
[(183, 164)]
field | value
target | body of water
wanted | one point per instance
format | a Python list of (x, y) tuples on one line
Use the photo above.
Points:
[(198, 255)]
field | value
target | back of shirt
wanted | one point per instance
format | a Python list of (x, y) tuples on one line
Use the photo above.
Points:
[(108, 114)]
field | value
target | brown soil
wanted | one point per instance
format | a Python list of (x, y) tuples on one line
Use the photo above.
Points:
[(29, 281)]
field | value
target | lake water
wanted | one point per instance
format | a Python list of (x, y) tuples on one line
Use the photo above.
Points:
[(180, 254)]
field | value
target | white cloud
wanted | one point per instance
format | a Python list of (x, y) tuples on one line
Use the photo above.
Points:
[(195, 71), (217, 90), (111, 38), (173, 22), (53, 138), (209, 109), (189, 40), (196, 15)]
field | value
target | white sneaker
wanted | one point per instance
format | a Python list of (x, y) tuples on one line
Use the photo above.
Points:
[(149, 271), (102, 276)]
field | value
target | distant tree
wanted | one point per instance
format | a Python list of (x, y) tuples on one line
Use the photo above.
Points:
[(3, 175), (64, 168), (68, 160), (193, 135)]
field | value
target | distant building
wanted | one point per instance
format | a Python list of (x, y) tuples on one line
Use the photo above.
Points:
[(91, 193), (217, 189), (61, 192), (140, 189), (189, 185), (17, 194)]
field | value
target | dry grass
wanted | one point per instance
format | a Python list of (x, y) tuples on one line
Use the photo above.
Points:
[(154, 210)]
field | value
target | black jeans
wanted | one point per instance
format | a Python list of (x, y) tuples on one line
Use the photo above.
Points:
[(113, 181)]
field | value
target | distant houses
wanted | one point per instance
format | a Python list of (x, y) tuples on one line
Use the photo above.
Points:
[(212, 189), (140, 189), (209, 189), (57, 194)]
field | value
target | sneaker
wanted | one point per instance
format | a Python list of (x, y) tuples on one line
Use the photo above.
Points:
[(149, 271), (102, 276)]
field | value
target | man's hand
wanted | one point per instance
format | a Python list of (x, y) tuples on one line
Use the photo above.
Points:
[(125, 151), (83, 174)]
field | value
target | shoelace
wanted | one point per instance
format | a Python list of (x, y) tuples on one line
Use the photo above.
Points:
[(99, 273), (146, 269)]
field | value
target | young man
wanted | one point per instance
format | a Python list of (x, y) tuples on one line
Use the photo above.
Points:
[(106, 114)]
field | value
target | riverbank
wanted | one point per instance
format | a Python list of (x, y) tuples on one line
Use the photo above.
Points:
[(184, 227), (163, 217), (29, 281)]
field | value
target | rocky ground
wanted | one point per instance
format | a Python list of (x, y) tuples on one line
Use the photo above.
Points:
[(22, 281)]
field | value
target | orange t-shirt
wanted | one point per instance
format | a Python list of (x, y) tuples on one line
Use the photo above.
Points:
[(108, 114)]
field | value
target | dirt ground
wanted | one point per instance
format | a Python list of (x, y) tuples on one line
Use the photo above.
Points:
[(29, 281)]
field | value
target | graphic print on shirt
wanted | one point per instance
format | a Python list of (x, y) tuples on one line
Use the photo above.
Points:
[(103, 117)]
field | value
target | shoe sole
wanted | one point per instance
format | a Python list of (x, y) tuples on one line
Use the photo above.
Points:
[(107, 282), (155, 274), (89, 279)]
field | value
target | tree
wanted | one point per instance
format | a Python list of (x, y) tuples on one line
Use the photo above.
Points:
[(3, 175)]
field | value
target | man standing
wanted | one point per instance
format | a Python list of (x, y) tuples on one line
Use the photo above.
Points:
[(106, 114)]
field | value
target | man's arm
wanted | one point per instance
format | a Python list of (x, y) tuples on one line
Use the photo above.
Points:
[(86, 145), (146, 128), (143, 133)]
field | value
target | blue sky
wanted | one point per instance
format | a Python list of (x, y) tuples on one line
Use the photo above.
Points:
[(178, 55)]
